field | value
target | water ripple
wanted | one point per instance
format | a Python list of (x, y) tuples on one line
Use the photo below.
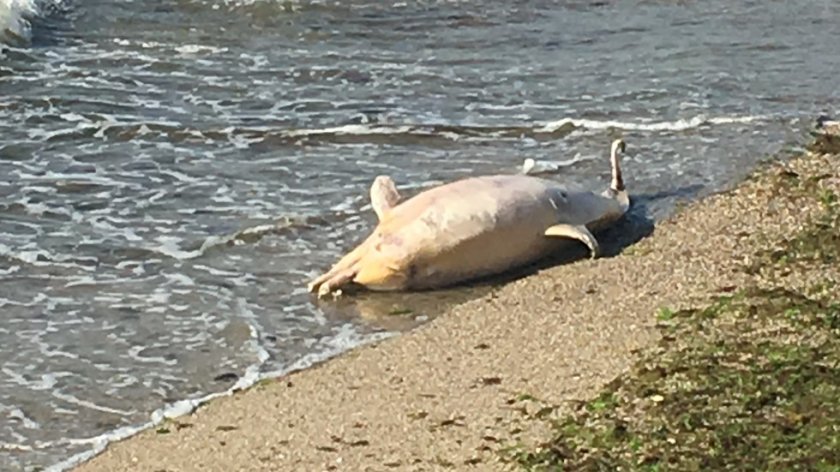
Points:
[(167, 191)]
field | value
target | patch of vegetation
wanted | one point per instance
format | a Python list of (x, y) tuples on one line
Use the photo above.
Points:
[(665, 314), (637, 250), (750, 382)]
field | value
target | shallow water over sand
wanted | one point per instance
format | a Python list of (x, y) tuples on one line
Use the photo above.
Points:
[(172, 174)]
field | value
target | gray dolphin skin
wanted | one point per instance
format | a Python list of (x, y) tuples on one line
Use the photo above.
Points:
[(471, 228)]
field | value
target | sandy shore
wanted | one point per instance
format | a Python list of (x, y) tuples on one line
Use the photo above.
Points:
[(444, 396)]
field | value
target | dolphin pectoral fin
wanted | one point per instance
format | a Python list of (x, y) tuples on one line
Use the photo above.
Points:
[(578, 232)]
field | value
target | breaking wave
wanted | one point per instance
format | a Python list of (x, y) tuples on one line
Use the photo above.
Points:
[(15, 20), (21, 19), (376, 133), (676, 125), (395, 134)]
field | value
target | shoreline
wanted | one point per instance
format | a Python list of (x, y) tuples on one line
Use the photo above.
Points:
[(431, 397), (178, 409)]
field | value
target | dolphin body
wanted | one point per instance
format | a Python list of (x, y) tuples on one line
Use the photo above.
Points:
[(471, 228)]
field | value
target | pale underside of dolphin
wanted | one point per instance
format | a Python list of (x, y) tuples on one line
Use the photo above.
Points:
[(472, 228)]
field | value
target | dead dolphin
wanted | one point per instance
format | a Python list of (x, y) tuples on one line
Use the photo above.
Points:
[(471, 228)]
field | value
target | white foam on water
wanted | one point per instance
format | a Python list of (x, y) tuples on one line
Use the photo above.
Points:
[(103, 225), (27, 422), (46, 382), (77, 178), (15, 16), (178, 279), (347, 337), (35, 209), (134, 352), (192, 49), (351, 130), (534, 167), (27, 256), (675, 125), (681, 124), (72, 399), (83, 280), (15, 447), (169, 247), (180, 176)]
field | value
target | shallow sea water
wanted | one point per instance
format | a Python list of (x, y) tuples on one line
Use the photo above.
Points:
[(172, 173)]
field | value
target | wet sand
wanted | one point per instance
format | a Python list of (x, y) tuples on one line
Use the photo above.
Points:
[(444, 396)]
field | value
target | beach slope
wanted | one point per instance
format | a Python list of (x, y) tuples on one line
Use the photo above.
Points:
[(453, 394)]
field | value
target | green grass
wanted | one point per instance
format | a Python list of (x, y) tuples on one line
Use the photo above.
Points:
[(665, 314)]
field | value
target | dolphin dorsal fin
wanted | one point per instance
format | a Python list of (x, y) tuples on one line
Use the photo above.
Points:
[(383, 195)]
